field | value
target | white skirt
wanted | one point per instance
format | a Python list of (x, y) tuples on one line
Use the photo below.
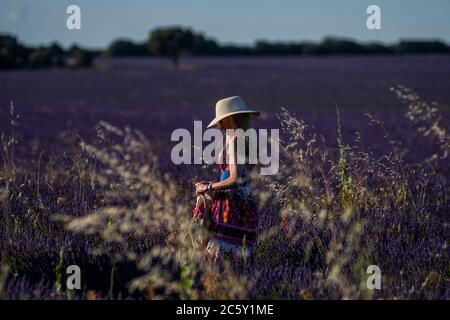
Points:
[(217, 248)]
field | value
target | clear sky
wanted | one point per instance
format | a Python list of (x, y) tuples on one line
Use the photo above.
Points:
[(237, 21)]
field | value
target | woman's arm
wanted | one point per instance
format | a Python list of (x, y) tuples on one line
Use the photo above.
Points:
[(228, 182), (232, 180), (224, 184)]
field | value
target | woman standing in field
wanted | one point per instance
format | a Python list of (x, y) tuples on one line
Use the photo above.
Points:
[(228, 204)]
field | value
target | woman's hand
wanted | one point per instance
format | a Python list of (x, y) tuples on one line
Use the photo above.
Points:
[(201, 187)]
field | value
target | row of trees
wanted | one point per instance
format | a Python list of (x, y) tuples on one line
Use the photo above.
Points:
[(14, 55), (175, 42)]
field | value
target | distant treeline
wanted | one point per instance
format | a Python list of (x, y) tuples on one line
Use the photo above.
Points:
[(14, 55), (174, 42)]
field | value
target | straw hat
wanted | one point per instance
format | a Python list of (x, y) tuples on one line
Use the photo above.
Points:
[(229, 106)]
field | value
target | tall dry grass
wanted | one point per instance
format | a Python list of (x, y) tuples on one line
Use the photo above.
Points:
[(333, 210)]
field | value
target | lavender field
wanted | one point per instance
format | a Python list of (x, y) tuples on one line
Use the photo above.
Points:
[(86, 178)]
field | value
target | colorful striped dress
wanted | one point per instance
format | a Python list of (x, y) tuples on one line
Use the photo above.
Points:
[(234, 218)]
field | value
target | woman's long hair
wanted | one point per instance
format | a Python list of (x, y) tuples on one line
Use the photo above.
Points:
[(243, 121)]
